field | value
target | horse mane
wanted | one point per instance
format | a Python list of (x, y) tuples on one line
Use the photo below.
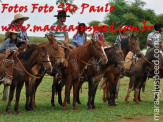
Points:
[(26, 54), (78, 51), (124, 43)]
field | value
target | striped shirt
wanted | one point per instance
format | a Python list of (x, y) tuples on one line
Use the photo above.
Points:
[(59, 34), (154, 36)]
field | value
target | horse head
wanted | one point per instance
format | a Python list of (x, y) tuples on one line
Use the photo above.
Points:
[(98, 52)]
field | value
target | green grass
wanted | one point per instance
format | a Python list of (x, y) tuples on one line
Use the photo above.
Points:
[(103, 112)]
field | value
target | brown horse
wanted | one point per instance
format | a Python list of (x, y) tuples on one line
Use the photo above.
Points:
[(78, 58), (57, 58), (113, 74), (23, 63), (138, 74)]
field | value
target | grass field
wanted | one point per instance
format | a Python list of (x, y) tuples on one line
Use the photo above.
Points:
[(103, 112)]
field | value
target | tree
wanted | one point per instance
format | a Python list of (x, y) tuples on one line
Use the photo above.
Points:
[(126, 13)]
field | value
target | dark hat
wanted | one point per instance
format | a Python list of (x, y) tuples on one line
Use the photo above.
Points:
[(157, 26), (82, 25), (61, 14)]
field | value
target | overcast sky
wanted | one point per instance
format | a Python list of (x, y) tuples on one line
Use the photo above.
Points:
[(42, 19)]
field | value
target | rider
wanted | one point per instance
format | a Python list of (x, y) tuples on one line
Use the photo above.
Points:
[(80, 37), (10, 42), (60, 35), (98, 35), (152, 37), (18, 24), (122, 36)]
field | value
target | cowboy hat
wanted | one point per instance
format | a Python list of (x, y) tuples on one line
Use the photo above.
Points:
[(19, 16), (102, 24), (61, 14), (10, 31)]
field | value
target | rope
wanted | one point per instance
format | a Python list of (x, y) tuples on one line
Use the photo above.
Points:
[(25, 69)]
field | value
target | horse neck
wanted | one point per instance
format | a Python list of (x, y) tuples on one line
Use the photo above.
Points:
[(83, 54), (30, 62)]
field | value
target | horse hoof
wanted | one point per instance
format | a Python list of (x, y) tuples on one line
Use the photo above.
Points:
[(75, 109), (94, 107), (64, 108), (9, 113), (53, 105), (135, 100), (90, 109), (18, 112)]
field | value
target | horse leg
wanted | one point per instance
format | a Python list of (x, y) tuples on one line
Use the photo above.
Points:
[(78, 90), (93, 96), (75, 86), (32, 93), (5, 93), (37, 83), (129, 89), (18, 90), (59, 89), (67, 92), (90, 84), (55, 82), (27, 96), (11, 94), (117, 89), (68, 99)]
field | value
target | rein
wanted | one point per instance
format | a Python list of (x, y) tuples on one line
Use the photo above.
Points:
[(25, 69)]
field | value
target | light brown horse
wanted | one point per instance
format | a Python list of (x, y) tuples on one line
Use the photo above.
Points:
[(78, 58), (23, 63)]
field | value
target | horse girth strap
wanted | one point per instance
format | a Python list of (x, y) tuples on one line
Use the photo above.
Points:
[(25, 69)]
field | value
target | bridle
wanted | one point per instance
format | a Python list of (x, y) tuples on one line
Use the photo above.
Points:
[(4, 61)]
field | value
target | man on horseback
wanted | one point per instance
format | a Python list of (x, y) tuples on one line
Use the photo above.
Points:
[(153, 36), (60, 35), (98, 35), (80, 37), (17, 25)]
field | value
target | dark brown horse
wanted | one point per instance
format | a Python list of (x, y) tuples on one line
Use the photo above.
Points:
[(78, 58), (23, 63), (138, 75), (57, 58), (113, 74)]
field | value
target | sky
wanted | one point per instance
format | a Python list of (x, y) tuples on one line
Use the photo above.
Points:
[(41, 18)]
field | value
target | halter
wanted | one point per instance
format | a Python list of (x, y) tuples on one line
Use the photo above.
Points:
[(3, 67)]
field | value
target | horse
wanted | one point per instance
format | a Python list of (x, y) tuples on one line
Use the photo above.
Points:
[(138, 74), (77, 61), (57, 58), (112, 75), (23, 63)]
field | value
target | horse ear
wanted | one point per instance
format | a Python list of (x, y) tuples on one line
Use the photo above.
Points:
[(137, 35), (51, 38), (92, 40)]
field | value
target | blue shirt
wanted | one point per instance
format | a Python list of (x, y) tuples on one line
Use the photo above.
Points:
[(80, 39)]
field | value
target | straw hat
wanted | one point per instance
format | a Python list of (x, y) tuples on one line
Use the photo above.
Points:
[(10, 31), (102, 24), (19, 16)]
